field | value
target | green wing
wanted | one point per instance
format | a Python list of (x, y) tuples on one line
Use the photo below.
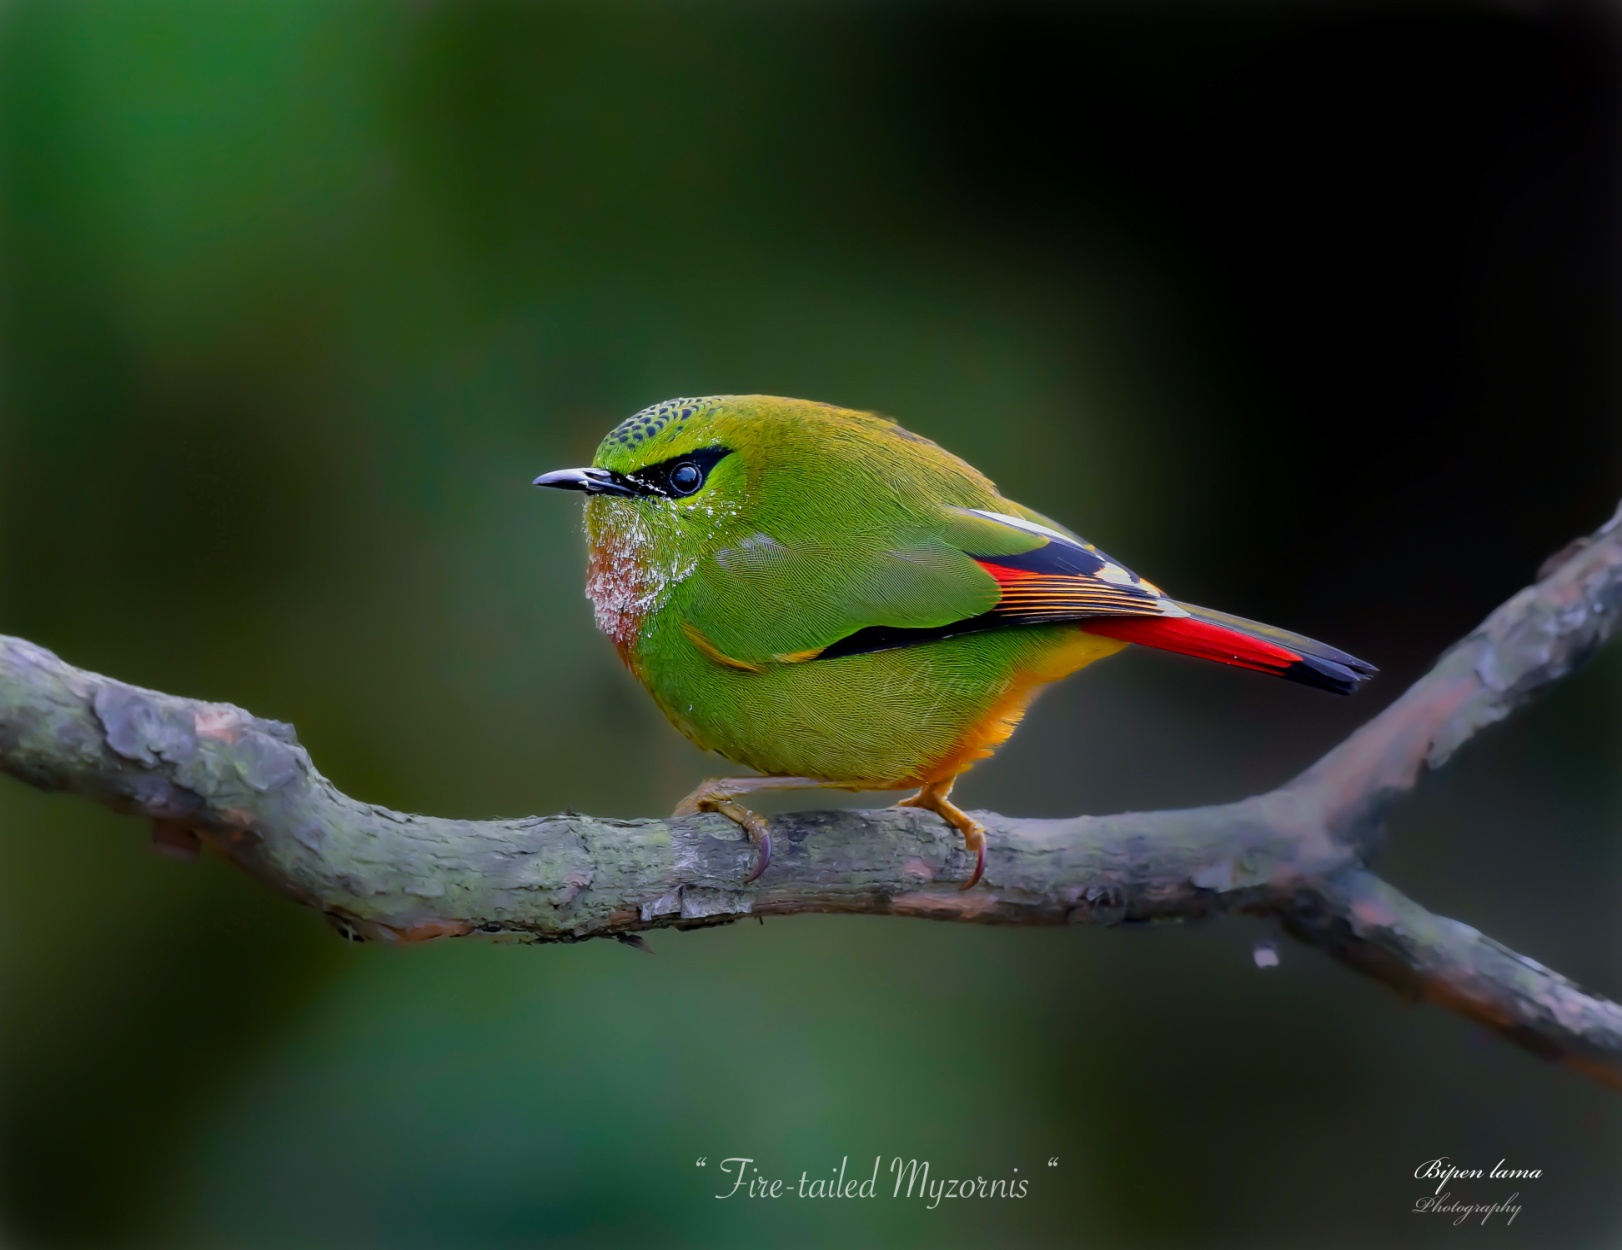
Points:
[(762, 601)]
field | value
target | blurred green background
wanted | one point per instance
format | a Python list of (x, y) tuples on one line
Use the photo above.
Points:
[(1309, 312)]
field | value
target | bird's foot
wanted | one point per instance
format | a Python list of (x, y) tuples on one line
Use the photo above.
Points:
[(714, 796), (932, 798)]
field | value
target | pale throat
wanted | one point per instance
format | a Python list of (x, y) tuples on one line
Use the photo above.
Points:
[(637, 554)]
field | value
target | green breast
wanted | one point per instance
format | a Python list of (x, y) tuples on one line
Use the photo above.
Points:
[(814, 524)]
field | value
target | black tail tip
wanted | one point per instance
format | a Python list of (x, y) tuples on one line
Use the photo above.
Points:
[(1332, 675)]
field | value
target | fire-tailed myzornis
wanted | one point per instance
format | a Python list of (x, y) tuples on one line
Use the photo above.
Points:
[(830, 600)]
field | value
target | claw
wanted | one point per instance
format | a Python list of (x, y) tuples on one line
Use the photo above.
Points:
[(752, 823), (933, 798), (720, 794), (764, 842), (979, 867)]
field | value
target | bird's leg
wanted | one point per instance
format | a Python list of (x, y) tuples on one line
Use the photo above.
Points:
[(933, 798), (717, 795)]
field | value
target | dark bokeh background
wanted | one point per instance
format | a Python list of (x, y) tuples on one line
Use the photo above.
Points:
[(1310, 313)]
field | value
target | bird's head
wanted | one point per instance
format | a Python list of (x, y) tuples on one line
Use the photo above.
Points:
[(688, 478), (668, 454), (667, 487), (727, 453)]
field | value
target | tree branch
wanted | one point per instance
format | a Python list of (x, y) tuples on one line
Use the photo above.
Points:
[(214, 772)]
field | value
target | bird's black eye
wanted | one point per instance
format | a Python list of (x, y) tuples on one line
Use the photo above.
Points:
[(685, 478), (679, 476)]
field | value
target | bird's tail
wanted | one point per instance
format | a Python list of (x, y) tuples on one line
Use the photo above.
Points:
[(1233, 640)]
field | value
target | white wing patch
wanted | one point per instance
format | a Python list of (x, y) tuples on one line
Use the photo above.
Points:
[(1020, 523)]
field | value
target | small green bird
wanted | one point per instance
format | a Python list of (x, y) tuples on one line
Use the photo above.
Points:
[(830, 600)]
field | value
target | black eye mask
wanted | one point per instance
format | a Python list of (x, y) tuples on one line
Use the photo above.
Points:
[(675, 478), (679, 476)]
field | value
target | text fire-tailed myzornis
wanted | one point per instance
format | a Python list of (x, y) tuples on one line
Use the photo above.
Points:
[(830, 600)]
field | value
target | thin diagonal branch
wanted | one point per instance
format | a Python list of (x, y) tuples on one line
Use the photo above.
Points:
[(214, 772), (1538, 636)]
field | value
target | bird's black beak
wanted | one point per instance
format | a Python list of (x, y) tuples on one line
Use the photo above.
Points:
[(592, 481)]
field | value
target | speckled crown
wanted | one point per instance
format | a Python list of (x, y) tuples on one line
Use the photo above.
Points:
[(651, 421)]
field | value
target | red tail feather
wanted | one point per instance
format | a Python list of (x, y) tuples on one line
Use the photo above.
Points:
[(1187, 636)]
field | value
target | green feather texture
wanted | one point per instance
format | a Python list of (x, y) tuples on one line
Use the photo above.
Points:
[(816, 592), (820, 522), (761, 598)]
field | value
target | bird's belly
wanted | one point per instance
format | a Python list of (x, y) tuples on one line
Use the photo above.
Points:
[(877, 721)]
